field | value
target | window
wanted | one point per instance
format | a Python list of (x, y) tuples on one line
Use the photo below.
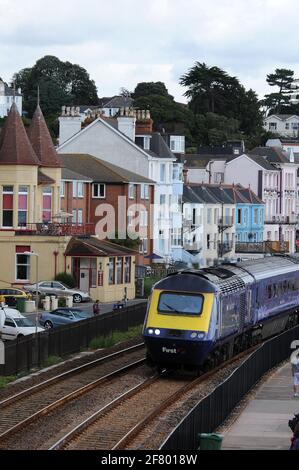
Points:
[(62, 189), (146, 143), (143, 247), (176, 237), (239, 216), (22, 267), (111, 271), (74, 218), (143, 219), (209, 216), (162, 172), (127, 269), (144, 191), (219, 178), (177, 172), (7, 204), (47, 204), (180, 304), (98, 190), (177, 143), (132, 191), (119, 270), (255, 216), (22, 205), (80, 216), (272, 126), (78, 189), (287, 125)]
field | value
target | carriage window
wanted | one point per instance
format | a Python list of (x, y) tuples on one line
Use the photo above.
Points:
[(180, 304), (269, 292)]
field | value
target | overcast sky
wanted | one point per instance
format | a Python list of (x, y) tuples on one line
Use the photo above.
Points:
[(123, 42)]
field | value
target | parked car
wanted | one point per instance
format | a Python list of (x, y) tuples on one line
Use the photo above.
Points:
[(63, 316), (59, 289), (11, 295), (14, 325)]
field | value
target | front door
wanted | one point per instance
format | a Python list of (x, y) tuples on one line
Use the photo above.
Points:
[(84, 279)]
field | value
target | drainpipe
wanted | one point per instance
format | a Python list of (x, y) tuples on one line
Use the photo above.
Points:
[(55, 253)]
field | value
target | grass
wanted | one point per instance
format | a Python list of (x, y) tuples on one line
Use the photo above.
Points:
[(6, 380), (115, 337), (51, 361)]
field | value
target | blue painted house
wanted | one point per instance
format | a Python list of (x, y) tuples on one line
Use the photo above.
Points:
[(249, 214)]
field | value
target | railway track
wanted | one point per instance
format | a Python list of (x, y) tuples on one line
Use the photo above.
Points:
[(115, 425), (22, 409)]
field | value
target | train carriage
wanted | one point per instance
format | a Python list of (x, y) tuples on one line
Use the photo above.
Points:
[(208, 315)]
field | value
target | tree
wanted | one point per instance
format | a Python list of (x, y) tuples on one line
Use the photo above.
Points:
[(151, 88), (211, 90), (60, 83), (281, 78)]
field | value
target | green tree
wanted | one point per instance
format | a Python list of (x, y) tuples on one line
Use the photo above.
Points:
[(281, 78), (60, 83), (150, 88)]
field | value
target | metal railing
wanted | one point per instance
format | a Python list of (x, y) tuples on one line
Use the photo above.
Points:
[(212, 410), (193, 247), (262, 247), (225, 247), (25, 353), (282, 219), (56, 229)]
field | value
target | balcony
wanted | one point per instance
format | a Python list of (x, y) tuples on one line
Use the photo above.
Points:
[(56, 229), (193, 247), (282, 220), (263, 247), (225, 222)]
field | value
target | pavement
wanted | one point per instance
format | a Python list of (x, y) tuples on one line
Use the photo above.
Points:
[(263, 424), (87, 307)]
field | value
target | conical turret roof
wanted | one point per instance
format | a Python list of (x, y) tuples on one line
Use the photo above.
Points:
[(42, 142), (15, 147)]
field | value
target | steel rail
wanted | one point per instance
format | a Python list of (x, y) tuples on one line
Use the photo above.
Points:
[(77, 370)]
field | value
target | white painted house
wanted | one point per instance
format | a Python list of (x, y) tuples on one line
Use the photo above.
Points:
[(7, 97), (113, 140), (286, 125)]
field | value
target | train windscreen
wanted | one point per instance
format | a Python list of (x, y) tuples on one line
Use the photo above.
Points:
[(180, 304)]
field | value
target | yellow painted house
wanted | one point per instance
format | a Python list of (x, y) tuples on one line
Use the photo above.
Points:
[(31, 221)]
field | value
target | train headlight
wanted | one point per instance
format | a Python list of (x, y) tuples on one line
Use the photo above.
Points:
[(157, 332), (193, 335), (201, 335), (150, 331)]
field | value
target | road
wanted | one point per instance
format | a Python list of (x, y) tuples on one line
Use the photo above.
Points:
[(87, 307)]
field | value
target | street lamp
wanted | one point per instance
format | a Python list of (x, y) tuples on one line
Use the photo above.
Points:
[(31, 253)]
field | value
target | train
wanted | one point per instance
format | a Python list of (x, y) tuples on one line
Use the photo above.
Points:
[(200, 318)]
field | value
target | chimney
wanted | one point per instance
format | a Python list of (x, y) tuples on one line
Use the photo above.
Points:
[(69, 123), (144, 124), (185, 176), (127, 123)]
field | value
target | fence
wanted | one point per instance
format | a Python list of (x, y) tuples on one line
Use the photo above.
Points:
[(210, 412), (27, 352)]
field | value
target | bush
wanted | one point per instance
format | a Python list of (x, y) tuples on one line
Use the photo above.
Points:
[(67, 279), (61, 302), (148, 284)]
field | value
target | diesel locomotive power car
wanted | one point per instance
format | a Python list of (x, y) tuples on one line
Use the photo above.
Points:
[(209, 315)]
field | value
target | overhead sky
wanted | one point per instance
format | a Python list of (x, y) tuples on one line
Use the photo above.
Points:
[(123, 42)]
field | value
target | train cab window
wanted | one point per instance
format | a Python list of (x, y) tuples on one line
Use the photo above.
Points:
[(180, 304)]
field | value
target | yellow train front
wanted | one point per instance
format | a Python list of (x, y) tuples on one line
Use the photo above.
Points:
[(180, 325)]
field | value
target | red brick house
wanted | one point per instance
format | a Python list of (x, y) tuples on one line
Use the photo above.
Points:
[(91, 187)]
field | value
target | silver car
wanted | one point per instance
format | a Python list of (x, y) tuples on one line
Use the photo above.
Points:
[(59, 289)]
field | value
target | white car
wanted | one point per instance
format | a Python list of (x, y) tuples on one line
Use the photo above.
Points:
[(14, 325)]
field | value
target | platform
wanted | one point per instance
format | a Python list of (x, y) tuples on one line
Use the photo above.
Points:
[(263, 424)]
